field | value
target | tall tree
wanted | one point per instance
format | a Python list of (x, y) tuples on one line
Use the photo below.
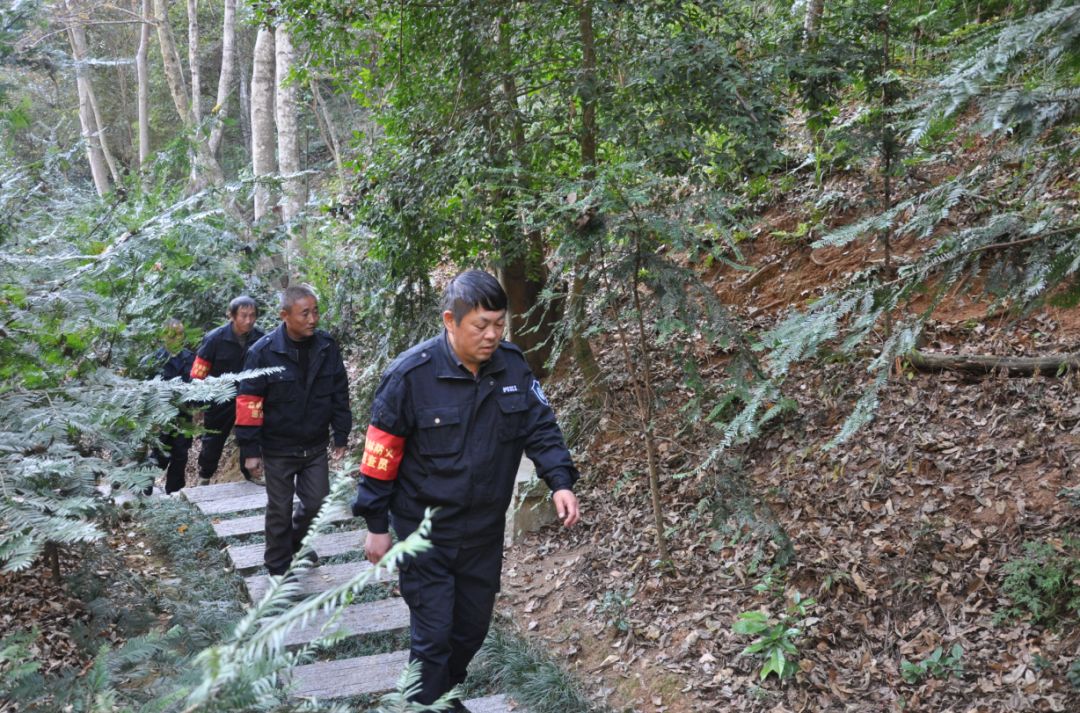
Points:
[(263, 164), (293, 187), (96, 146), (193, 60), (225, 78), (142, 73), (205, 168)]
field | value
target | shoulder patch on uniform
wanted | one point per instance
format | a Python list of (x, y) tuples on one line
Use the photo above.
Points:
[(538, 392)]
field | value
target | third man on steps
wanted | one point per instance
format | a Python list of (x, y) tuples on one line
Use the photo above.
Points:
[(449, 424), (223, 351), (284, 421)]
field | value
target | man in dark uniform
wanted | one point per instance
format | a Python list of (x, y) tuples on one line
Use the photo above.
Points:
[(449, 424), (283, 422), (173, 360), (223, 351)]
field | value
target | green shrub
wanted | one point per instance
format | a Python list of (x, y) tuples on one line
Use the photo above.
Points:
[(936, 665), (1044, 583)]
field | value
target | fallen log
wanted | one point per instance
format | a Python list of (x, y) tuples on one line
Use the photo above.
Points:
[(984, 364)]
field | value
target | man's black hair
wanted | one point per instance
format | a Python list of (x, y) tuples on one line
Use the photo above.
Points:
[(243, 301), (471, 289)]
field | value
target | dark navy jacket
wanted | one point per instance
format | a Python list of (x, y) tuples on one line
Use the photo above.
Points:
[(281, 414), (221, 353), (169, 366), (441, 437)]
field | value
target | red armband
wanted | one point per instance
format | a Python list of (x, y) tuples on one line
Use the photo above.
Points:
[(200, 368), (382, 454), (249, 410)]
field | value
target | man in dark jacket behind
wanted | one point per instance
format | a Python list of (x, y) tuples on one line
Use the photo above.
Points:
[(283, 421), (449, 424), (223, 351), (173, 360)]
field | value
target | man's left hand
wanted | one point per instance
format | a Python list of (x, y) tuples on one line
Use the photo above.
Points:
[(338, 452), (566, 505)]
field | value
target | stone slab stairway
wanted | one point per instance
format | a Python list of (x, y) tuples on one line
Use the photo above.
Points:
[(326, 679)]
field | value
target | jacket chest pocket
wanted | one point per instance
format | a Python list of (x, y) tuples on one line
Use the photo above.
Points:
[(513, 409), (281, 387), (439, 431)]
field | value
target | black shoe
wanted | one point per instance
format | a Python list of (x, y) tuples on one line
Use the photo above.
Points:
[(458, 706)]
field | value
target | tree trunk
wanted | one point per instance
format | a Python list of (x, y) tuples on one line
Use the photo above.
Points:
[(91, 131), (326, 125), (142, 71), (522, 269), (582, 351), (225, 78), (986, 364), (193, 59), (110, 161), (263, 164), (294, 193), (205, 167), (812, 21)]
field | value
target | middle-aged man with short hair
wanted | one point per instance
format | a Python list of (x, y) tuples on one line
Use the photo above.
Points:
[(283, 421), (449, 424), (223, 351)]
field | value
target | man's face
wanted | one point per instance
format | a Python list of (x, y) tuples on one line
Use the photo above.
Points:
[(243, 320), (302, 318), (475, 339)]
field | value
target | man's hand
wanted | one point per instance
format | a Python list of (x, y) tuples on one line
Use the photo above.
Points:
[(376, 546), (254, 466), (337, 453), (566, 505)]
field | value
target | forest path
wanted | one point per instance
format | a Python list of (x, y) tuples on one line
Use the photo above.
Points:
[(338, 678)]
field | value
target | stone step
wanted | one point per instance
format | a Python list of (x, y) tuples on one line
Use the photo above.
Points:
[(315, 579), (348, 677), (246, 557), (253, 524), (367, 675), (220, 491), (233, 503), (390, 614)]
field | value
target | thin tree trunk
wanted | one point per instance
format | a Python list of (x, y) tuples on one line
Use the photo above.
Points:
[(522, 270), (110, 160), (204, 166), (986, 364), (582, 350), (91, 131), (812, 21), (294, 194), (142, 71), (193, 59), (225, 78), (326, 124), (244, 76), (263, 164)]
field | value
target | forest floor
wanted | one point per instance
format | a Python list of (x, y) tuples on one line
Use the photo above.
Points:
[(900, 535)]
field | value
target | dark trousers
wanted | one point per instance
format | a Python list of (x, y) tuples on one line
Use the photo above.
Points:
[(219, 420), (451, 594), (308, 476), (173, 457)]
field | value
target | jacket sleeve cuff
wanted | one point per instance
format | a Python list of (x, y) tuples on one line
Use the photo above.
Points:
[(250, 450), (560, 480), (377, 524), (341, 440)]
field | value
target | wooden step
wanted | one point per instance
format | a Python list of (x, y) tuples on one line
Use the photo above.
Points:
[(334, 543), (390, 614), (257, 523), (314, 580), (220, 491), (348, 677)]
